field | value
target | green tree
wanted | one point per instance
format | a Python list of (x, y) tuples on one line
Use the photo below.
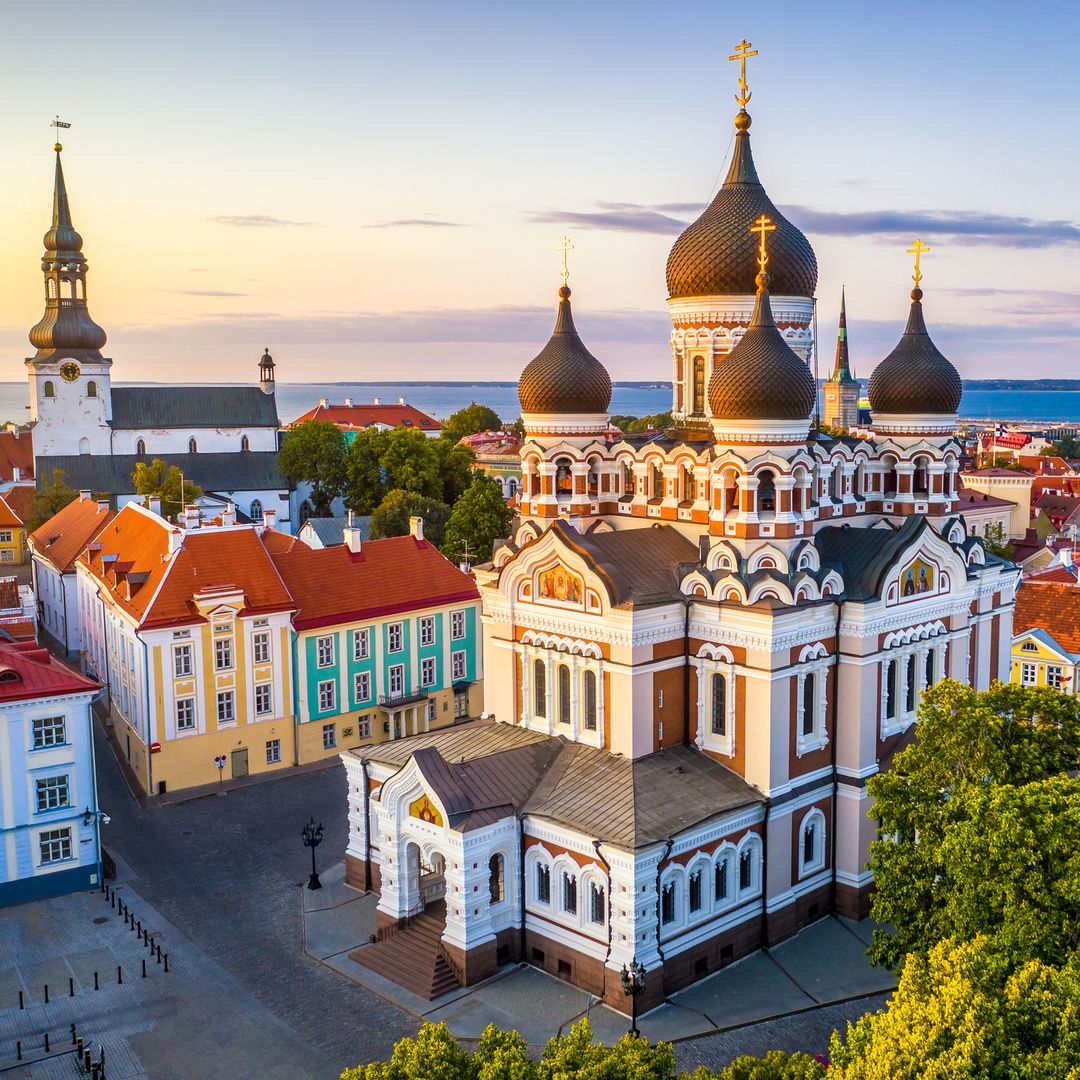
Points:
[(433, 1055), (167, 483), (53, 495), (960, 1013), (1068, 446), (365, 484), (479, 518), (623, 422), (648, 423), (470, 420), (314, 453), (408, 460), (455, 462), (391, 516), (775, 1065), (996, 542), (965, 779)]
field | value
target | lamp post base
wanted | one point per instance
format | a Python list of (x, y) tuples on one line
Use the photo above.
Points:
[(314, 882)]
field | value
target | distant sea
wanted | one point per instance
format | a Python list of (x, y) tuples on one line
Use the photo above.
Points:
[(633, 399)]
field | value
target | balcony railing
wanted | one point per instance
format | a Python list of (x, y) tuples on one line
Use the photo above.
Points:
[(403, 697)]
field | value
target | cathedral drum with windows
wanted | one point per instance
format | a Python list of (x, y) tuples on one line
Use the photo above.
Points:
[(698, 646)]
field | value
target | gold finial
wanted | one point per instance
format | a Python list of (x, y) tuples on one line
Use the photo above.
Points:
[(763, 226), (742, 53), (59, 125), (917, 249), (566, 245)]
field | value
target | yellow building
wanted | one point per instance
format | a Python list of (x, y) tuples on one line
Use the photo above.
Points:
[(188, 628), (15, 504), (1046, 632)]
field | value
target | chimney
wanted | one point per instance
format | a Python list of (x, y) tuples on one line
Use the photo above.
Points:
[(376, 401), (154, 505), (176, 540), (401, 400), (416, 528), (228, 515), (348, 403), (190, 518), (84, 495), (322, 403), (351, 535), (16, 473), (269, 518)]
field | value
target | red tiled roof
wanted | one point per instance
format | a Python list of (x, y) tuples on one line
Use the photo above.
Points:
[(1050, 607), (15, 506), (974, 499), (29, 672), (64, 536), (16, 452), (386, 576), (19, 629), (1057, 575), (1010, 440), (356, 417)]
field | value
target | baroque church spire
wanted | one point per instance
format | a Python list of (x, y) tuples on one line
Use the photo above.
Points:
[(842, 367), (66, 328)]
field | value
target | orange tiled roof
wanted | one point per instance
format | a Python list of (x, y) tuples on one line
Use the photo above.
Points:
[(355, 417), (1063, 575), (386, 576), (1052, 607), (64, 536), (16, 452), (15, 505)]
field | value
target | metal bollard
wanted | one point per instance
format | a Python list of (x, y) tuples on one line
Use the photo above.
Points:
[(46, 993), (73, 1034), (95, 981), (145, 935), (18, 1050), (112, 901), (159, 954), (46, 1042), (79, 1049), (144, 967), (86, 1060), (138, 926), (22, 1004), (71, 987), (166, 961), (119, 974), (151, 942), (95, 1070)]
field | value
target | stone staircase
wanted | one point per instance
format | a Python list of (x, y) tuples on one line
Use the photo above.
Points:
[(411, 955)]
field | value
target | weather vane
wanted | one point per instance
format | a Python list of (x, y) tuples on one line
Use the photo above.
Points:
[(763, 226), (742, 53), (917, 249), (60, 125), (566, 245)]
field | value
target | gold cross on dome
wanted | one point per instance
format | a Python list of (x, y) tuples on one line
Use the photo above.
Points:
[(763, 226), (917, 249), (566, 245), (742, 53)]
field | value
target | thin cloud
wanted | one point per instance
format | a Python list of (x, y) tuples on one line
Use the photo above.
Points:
[(206, 292), (401, 223), (615, 217), (257, 221), (1023, 303)]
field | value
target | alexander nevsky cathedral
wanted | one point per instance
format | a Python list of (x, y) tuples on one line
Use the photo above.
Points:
[(698, 647)]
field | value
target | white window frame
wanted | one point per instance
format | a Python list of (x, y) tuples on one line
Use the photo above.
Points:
[(183, 660), (427, 630), (427, 672), (273, 751), (266, 688), (61, 837), (329, 736), (750, 843), (362, 681), (363, 726), (813, 819), (395, 637), (260, 647), (223, 649), (459, 665), (361, 642), (184, 728), (1055, 676), (818, 737), (46, 727), (52, 793), (226, 697), (457, 624), (324, 651), (1029, 674), (395, 674), (326, 690)]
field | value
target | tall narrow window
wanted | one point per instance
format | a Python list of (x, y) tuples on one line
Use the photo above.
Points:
[(497, 879), (699, 385), (929, 668), (910, 695), (719, 705), (140, 446), (720, 881), (809, 844), (543, 883), (569, 893), (245, 443), (192, 446), (50, 389), (890, 690), (590, 700), (667, 903), (91, 389), (809, 703), (746, 869), (695, 891), (540, 688), (597, 906), (564, 694)]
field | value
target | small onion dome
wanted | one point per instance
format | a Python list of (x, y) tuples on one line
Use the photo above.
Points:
[(715, 255), (915, 378), (565, 377), (266, 361), (762, 378)]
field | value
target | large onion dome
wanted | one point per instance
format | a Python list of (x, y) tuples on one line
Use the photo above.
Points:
[(915, 378), (715, 254), (565, 377), (762, 378)]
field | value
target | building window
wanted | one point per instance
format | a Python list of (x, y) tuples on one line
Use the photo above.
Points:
[(720, 881), (569, 893), (458, 667), (55, 846), (329, 736), (496, 879), (590, 700), (5, 536), (264, 699), (457, 625), (809, 704), (363, 727), (543, 884), (1054, 676), (49, 731), (91, 389), (396, 676), (182, 660), (929, 668), (1028, 674), (809, 844), (564, 694), (699, 386), (324, 651), (50, 389), (53, 793), (1029, 646), (695, 891), (890, 690), (361, 644), (429, 712), (273, 751), (140, 446), (540, 689), (192, 446), (667, 903), (245, 443), (362, 687), (256, 510), (427, 671), (185, 714), (226, 707), (461, 704), (427, 630), (7, 555), (719, 705), (910, 689), (260, 647), (223, 654), (327, 695), (395, 637), (597, 905)]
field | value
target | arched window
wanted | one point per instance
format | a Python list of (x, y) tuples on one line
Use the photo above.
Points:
[(256, 510), (84, 445), (812, 841), (543, 883), (720, 880), (140, 446), (50, 388), (719, 705), (569, 893), (192, 446), (695, 891), (564, 694), (597, 905), (746, 869), (809, 704), (667, 903), (628, 478), (245, 443), (699, 385), (890, 690), (497, 879), (809, 843), (909, 703), (512, 487), (564, 481), (766, 492), (540, 688), (688, 486), (91, 389), (52, 288), (590, 700), (657, 474)]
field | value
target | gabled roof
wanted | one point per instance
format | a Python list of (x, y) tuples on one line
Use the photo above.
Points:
[(399, 573), (15, 506), (357, 417), (139, 407), (331, 530), (64, 536), (863, 556), (28, 672), (971, 499), (1050, 607), (16, 452)]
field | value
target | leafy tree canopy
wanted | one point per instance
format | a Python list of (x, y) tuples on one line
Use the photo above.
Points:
[(391, 516), (53, 495), (479, 518), (455, 463), (314, 453), (167, 483), (634, 425), (1067, 447), (470, 420)]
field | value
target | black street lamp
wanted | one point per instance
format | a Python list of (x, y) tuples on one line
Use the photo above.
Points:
[(312, 835), (633, 985)]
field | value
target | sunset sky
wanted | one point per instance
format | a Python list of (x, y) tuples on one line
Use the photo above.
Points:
[(376, 191)]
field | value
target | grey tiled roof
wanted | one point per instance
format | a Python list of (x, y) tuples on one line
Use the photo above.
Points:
[(135, 407), (331, 530), (864, 555)]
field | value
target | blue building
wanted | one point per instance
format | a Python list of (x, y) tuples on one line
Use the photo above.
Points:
[(49, 817)]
